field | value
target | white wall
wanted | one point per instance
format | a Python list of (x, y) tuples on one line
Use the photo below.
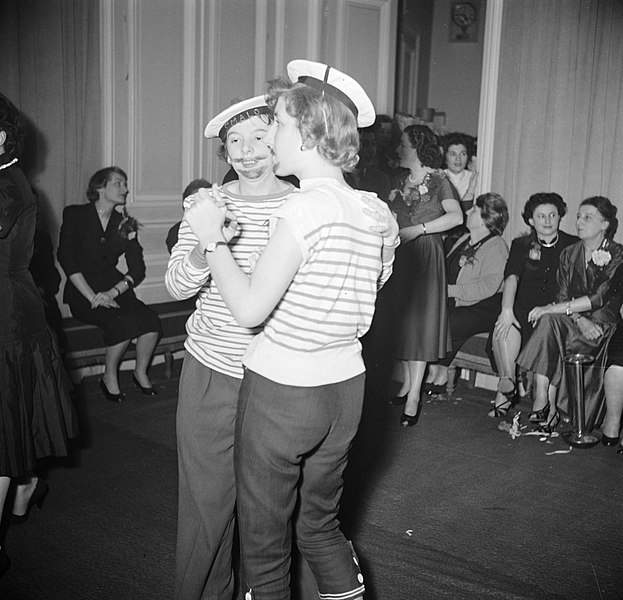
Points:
[(455, 72), (168, 67)]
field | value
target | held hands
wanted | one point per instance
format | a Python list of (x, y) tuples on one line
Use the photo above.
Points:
[(505, 321), (207, 216), (589, 329)]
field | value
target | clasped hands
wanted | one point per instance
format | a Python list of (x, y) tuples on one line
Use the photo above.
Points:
[(104, 299), (209, 218)]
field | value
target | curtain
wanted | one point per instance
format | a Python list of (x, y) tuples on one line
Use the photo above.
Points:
[(559, 119), (50, 71)]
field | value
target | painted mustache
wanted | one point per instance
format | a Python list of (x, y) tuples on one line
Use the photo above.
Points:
[(247, 158)]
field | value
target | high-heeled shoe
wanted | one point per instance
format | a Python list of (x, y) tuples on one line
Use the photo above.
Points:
[(609, 441), (500, 410), (38, 496), (620, 449), (551, 425), (539, 416), (5, 563), (120, 397), (147, 391), (409, 420)]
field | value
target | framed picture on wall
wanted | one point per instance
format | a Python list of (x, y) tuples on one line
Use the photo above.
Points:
[(464, 21)]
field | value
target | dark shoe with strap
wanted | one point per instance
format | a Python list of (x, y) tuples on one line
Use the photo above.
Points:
[(609, 441), (539, 416), (500, 410)]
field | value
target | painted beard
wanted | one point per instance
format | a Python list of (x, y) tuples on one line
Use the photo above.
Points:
[(250, 167)]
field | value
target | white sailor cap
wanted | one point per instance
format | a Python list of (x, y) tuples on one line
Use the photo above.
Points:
[(337, 84), (234, 114)]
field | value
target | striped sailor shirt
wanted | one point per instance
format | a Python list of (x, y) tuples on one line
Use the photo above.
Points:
[(312, 336), (214, 336)]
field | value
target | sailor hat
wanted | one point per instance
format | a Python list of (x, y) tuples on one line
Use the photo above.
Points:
[(234, 114), (340, 86)]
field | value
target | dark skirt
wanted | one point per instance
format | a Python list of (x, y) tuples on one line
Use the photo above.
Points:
[(615, 348), (556, 336), (36, 413), (419, 291), (132, 319)]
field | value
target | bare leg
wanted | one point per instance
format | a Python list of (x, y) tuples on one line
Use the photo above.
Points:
[(613, 385), (541, 396), (406, 380), (441, 375), (417, 368), (145, 346), (505, 351), (432, 373), (114, 354), (24, 489)]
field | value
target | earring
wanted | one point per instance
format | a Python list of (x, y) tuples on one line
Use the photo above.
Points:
[(303, 149), (228, 160)]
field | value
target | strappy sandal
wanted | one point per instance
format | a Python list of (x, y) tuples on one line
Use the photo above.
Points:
[(500, 410), (551, 425), (539, 416)]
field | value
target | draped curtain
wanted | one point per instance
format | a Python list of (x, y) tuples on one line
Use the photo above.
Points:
[(50, 71), (559, 119)]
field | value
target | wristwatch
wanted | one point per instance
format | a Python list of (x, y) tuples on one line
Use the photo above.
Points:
[(212, 246)]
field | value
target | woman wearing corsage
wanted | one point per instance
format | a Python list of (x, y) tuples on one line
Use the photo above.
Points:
[(583, 318), (529, 281), (424, 206), (93, 237)]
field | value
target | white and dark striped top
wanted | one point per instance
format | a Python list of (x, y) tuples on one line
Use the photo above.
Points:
[(214, 337), (312, 336)]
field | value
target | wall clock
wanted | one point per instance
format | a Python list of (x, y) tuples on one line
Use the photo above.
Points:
[(464, 21)]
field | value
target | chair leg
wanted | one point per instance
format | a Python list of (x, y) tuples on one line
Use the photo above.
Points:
[(450, 383), (168, 364)]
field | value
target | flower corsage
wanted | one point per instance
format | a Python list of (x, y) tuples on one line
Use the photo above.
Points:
[(128, 227), (601, 258)]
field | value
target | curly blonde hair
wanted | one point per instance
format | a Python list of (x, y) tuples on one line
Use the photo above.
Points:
[(324, 122)]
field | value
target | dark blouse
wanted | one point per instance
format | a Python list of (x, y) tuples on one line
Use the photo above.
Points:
[(536, 271), (84, 247)]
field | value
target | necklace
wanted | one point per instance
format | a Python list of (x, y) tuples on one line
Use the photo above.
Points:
[(550, 244), (8, 164)]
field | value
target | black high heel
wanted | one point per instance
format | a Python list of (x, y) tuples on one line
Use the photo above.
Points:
[(551, 425), (120, 397), (539, 416), (38, 496), (148, 391), (410, 420), (609, 441)]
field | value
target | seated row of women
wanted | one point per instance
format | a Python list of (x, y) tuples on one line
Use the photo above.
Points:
[(536, 311)]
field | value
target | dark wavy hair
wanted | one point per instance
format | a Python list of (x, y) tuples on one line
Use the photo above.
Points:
[(539, 199), (453, 139), (12, 123), (99, 179), (426, 144), (607, 210), (493, 211), (324, 122)]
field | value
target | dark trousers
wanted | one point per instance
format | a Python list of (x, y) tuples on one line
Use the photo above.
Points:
[(466, 321), (292, 445), (206, 413)]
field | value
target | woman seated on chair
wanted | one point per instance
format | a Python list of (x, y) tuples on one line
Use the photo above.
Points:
[(529, 281), (583, 318), (93, 238), (475, 267), (613, 385)]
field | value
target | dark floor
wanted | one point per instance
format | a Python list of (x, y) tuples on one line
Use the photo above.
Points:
[(452, 508)]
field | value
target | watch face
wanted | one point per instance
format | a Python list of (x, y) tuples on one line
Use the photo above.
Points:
[(464, 14)]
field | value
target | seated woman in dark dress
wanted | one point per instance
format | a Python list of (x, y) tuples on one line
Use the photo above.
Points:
[(584, 317), (529, 281), (93, 238)]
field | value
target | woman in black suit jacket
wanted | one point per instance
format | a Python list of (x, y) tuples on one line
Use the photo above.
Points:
[(93, 238), (583, 319)]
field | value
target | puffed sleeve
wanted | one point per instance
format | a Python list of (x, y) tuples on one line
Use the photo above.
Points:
[(68, 253), (134, 260), (516, 258), (11, 206)]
